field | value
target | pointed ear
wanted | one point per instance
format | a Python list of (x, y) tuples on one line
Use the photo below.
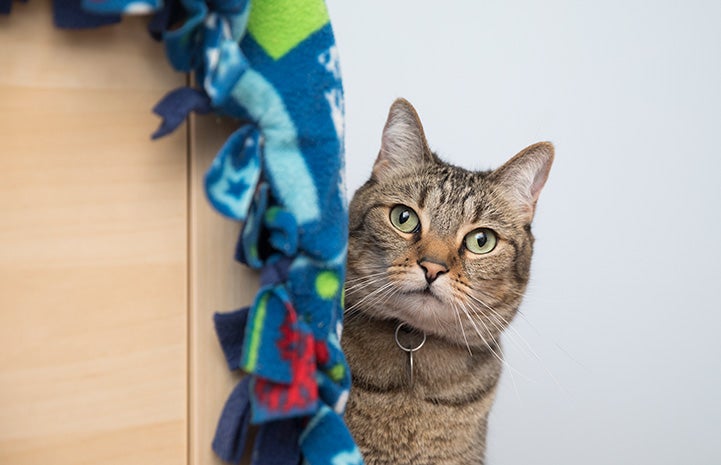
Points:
[(524, 175), (403, 146)]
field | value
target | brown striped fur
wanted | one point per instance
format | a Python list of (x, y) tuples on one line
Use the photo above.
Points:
[(430, 281)]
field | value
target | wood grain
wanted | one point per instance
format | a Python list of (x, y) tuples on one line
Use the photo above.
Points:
[(93, 248), (219, 284)]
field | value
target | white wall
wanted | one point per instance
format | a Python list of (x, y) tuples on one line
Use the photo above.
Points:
[(623, 311)]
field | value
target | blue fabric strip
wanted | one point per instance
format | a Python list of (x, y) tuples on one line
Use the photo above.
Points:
[(5, 7), (229, 327), (171, 13), (277, 443), (232, 431), (69, 14), (175, 107)]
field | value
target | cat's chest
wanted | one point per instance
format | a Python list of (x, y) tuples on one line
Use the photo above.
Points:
[(442, 419), (403, 428), (439, 371)]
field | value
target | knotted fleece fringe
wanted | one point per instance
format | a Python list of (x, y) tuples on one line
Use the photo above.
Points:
[(273, 65)]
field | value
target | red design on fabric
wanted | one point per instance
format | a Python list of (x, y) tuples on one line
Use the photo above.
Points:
[(297, 348), (321, 353)]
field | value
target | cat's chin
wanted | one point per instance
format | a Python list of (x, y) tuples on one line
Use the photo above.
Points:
[(426, 293), (433, 314), (420, 309)]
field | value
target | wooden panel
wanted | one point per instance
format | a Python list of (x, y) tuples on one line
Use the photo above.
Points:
[(93, 248), (219, 283)]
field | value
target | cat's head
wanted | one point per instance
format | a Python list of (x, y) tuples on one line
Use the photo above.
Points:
[(441, 248)]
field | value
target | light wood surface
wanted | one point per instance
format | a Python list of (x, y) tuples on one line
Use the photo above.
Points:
[(219, 284), (93, 248)]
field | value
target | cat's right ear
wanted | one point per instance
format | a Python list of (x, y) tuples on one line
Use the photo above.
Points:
[(523, 177), (403, 146)]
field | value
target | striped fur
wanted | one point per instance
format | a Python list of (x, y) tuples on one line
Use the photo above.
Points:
[(463, 308)]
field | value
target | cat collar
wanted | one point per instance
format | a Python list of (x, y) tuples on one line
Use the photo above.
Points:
[(409, 351)]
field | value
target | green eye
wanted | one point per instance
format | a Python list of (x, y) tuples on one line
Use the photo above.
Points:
[(405, 219), (480, 241)]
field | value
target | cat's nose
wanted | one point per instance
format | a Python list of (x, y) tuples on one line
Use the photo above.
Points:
[(433, 269)]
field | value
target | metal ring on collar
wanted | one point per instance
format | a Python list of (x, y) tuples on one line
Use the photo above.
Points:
[(404, 348)]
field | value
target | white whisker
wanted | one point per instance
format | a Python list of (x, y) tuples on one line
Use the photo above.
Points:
[(496, 355), (463, 331), (497, 315), (365, 277), (370, 295), (363, 285)]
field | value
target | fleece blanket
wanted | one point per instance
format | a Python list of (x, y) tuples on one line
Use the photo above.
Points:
[(272, 65)]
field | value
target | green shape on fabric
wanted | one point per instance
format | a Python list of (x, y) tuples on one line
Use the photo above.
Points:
[(251, 359), (336, 373), (271, 213), (327, 284), (280, 25)]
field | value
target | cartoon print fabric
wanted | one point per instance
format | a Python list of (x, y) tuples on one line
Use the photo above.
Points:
[(273, 65)]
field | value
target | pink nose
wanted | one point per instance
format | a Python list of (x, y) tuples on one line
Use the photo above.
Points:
[(432, 268)]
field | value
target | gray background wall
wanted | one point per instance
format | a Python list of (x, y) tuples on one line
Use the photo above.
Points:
[(616, 357)]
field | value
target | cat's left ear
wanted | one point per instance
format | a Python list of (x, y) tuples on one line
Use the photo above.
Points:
[(403, 145), (524, 175)]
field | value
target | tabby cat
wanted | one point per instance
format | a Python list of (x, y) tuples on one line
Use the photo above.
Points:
[(438, 261)]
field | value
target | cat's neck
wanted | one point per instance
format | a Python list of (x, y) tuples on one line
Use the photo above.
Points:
[(441, 368)]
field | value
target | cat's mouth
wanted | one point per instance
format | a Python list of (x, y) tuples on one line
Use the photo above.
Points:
[(426, 292)]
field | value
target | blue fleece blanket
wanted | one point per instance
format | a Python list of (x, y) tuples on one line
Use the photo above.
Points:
[(273, 65)]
